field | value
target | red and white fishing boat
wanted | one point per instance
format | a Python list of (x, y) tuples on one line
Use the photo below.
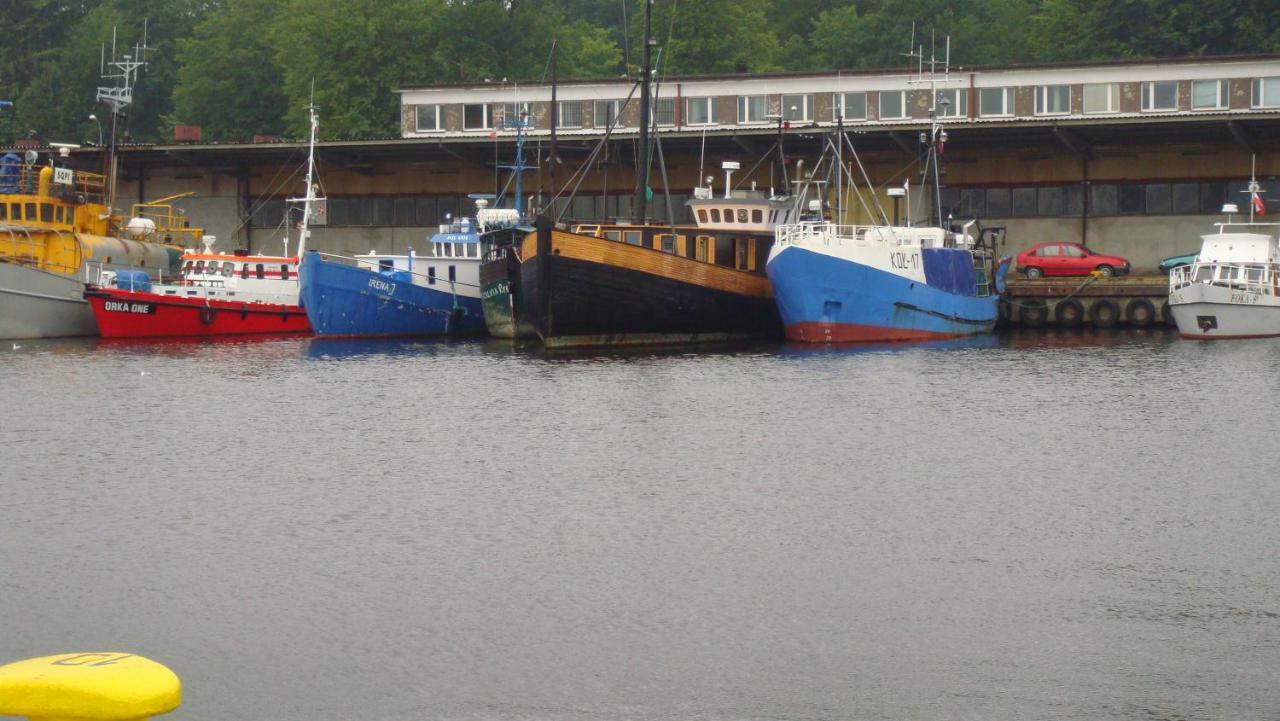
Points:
[(216, 294)]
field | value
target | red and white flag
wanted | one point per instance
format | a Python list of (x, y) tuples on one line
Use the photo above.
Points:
[(1258, 206)]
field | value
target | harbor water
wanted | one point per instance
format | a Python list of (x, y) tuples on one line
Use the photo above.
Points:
[(1063, 526)]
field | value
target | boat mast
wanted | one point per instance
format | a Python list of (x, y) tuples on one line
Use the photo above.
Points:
[(124, 71), (553, 160), (642, 161), (303, 226)]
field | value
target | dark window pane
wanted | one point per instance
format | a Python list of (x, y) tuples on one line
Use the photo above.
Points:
[(1102, 200), (1130, 199), (1050, 201), (1186, 198), (1158, 199), (951, 202), (448, 208), (1024, 202), (1212, 196), (998, 203), (973, 202), (338, 214), (404, 212), (425, 212), (359, 211), (1073, 202)]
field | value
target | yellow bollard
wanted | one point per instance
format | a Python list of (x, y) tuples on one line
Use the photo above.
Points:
[(88, 687)]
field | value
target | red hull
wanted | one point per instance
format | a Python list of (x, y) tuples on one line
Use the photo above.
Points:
[(125, 314), (812, 332)]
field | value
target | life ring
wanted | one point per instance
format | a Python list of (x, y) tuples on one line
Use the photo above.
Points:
[(207, 314), (1069, 313), (1104, 313), (1033, 313), (1140, 313)]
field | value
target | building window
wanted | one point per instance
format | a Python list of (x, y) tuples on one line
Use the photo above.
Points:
[(475, 116), (796, 108), (698, 111), (995, 102), (570, 114), (1053, 99), (1266, 92), (1102, 98), (608, 113), (664, 112), (427, 118), (1161, 95), (514, 113), (1209, 95), (752, 108), (893, 104), (953, 103), (851, 106)]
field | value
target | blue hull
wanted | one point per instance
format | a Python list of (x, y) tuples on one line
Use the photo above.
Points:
[(825, 299), (346, 301)]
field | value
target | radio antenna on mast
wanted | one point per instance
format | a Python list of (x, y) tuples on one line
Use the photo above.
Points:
[(122, 72)]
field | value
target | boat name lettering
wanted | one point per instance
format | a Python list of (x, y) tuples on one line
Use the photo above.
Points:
[(120, 306), (904, 261), (1245, 298), (497, 289), (382, 285)]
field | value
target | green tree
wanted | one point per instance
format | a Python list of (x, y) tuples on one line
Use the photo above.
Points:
[(229, 81), (710, 36)]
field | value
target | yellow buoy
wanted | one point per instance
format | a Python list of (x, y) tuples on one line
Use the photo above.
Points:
[(88, 687)]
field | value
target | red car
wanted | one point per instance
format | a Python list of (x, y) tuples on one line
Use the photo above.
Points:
[(1068, 259)]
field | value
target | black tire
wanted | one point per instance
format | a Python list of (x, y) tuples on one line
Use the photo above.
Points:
[(207, 315), (1104, 313), (1033, 273), (1106, 271), (1033, 313), (1140, 313), (1166, 314), (1069, 313)]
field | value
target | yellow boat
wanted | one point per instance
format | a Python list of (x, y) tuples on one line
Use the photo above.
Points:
[(57, 233)]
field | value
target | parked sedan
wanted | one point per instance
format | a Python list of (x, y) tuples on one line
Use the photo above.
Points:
[(1177, 261), (1068, 259)]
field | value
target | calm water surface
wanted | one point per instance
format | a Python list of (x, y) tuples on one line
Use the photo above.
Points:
[(1024, 527)]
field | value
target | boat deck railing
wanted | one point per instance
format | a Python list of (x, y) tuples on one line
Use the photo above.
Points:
[(821, 232), (387, 272), (1259, 278)]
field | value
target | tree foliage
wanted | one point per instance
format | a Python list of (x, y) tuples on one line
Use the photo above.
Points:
[(239, 68)]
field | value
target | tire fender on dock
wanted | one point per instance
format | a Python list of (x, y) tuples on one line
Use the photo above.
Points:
[(1104, 313), (1033, 313), (1069, 313), (1139, 313)]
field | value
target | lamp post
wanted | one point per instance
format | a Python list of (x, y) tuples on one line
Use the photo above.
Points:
[(94, 118)]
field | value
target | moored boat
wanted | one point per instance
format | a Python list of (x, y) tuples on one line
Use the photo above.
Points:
[(372, 295), (216, 294), (1232, 289)]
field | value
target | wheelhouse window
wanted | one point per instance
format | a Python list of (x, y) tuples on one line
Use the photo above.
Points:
[(261, 271), (752, 108), (608, 113), (1162, 95), (851, 106), (1266, 92), (453, 273), (229, 269), (893, 104), (953, 103), (570, 114), (995, 102), (1101, 97), (284, 272), (1208, 95), (797, 108), (1053, 99), (431, 275), (476, 116), (244, 271), (427, 118)]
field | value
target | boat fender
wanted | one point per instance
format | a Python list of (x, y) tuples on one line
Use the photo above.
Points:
[(1033, 313), (1069, 313), (1139, 313), (1104, 313), (207, 314), (244, 311)]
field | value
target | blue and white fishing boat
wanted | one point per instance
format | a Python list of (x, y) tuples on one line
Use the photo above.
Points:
[(889, 282), (372, 295)]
